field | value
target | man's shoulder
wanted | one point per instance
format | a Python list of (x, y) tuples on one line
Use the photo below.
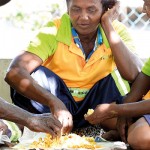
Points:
[(118, 25), (146, 67), (58, 21)]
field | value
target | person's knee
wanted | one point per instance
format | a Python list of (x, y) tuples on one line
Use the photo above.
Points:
[(141, 142), (139, 135)]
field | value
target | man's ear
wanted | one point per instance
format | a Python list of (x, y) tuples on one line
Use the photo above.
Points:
[(3, 2)]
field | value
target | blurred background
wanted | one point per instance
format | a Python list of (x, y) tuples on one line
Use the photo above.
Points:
[(20, 20)]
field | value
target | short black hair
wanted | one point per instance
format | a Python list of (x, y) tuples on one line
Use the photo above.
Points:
[(67, 2), (3, 2)]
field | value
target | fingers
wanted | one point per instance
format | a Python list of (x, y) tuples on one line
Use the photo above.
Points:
[(55, 127), (65, 118), (52, 127), (92, 119), (57, 123), (115, 11), (88, 118), (45, 123), (52, 121), (112, 13), (67, 125), (114, 6), (70, 125), (122, 133), (121, 127), (111, 135), (51, 131)]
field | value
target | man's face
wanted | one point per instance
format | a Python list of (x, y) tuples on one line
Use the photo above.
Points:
[(146, 7), (85, 15)]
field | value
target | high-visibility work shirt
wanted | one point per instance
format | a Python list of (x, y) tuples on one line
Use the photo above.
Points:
[(146, 71), (55, 46), (146, 68)]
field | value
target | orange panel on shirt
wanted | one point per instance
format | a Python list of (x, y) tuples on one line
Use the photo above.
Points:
[(147, 96), (69, 64)]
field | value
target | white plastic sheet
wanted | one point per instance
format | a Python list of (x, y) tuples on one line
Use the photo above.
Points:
[(28, 137), (4, 138)]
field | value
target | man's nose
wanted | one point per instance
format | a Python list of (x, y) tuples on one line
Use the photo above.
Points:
[(84, 15)]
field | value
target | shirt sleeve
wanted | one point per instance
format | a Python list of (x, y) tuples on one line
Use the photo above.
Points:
[(146, 67), (125, 35), (44, 44), (14, 129)]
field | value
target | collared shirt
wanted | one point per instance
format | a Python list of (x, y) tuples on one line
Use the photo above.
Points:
[(56, 47), (77, 41), (146, 68)]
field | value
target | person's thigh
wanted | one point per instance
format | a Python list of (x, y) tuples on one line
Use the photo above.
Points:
[(139, 134)]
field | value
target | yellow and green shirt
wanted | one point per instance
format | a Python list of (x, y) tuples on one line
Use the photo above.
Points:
[(146, 67), (15, 131), (55, 46), (146, 71)]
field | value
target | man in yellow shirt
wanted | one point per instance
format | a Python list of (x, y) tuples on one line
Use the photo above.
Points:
[(70, 66)]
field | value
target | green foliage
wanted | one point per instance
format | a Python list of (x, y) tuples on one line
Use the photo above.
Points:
[(34, 19)]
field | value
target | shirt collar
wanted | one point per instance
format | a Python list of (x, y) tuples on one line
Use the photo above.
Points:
[(64, 33)]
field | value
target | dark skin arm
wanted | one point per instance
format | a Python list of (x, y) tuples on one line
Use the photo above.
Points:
[(39, 123), (129, 71), (18, 77), (122, 55), (108, 111), (129, 109), (134, 109), (127, 63), (139, 88)]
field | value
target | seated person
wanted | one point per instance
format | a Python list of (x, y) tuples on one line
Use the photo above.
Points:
[(70, 66), (36, 122), (138, 134)]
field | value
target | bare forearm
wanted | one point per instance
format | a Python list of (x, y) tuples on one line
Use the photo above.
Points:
[(139, 88), (134, 109), (13, 113), (127, 63), (27, 86), (18, 76)]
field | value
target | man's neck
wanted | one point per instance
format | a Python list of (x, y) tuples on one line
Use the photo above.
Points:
[(88, 38)]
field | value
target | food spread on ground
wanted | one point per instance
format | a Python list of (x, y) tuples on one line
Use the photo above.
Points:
[(71, 141)]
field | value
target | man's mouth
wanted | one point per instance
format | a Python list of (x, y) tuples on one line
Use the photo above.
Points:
[(82, 25)]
